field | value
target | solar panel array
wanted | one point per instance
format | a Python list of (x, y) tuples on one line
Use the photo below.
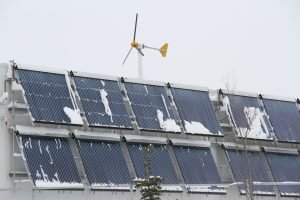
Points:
[(50, 161), (146, 102), (102, 102), (285, 119), (195, 106), (103, 162), (47, 95), (161, 164), (197, 165), (285, 168), (246, 165)]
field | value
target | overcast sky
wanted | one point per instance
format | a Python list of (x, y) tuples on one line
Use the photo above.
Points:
[(257, 40)]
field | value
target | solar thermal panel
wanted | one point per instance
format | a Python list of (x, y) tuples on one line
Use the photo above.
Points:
[(247, 117), (196, 111), (285, 168), (104, 163), (48, 96), (102, 102), (161, 164), (151, 107), (249, 165), (50, 162), (197, 165), (285, 119)]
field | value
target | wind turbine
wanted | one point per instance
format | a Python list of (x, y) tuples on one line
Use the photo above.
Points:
[(139, 47)]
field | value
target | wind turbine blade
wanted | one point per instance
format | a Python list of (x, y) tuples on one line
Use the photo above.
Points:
[(140, 51), (136, 18), (127, 55)]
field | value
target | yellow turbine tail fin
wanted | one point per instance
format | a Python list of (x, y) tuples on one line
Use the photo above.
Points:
[(164, 50)]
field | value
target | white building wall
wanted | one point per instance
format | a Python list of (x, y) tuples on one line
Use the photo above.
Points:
[(5, 151)]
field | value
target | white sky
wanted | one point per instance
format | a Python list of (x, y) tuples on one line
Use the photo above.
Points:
[(258, 40)]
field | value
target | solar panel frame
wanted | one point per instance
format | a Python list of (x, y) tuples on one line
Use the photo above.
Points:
[(285, 122), (210, 122), (118, 107), (34, 93), (146, 114)]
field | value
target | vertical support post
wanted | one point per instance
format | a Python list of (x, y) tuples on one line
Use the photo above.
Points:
[(140, 65), (13, 162)]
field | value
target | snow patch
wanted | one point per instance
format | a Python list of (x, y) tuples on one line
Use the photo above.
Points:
[(172, 188), (196, 128), (57, 184), (74, 115), (214, 97), (110, 186), (40, 148), (164, 101), (105, 102), (4, 97), (47, 149), (205, 189), (28, 144), (146, 89), (103, 83), (258, 192), (44, 182), (168, 124), (257, 125)]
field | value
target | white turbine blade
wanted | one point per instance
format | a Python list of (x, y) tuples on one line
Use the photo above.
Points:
[(127, 56)]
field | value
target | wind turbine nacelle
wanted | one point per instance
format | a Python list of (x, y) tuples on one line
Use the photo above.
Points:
[(134, 44)]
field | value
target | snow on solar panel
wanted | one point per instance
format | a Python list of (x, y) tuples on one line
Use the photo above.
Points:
[(246, 117), (285, 168), (249, 166), (49, 97), (104, 163), (161, 164), (196, 111), (151, 107), (285, 119), (102, 102), (50, 162)]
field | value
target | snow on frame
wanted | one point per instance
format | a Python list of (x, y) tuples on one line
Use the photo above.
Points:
[(205, 189), (258, 192), (168, 124), (74, 115), (290, 194), (111, 186), (57, 184), (173, 188), (258, 128)]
